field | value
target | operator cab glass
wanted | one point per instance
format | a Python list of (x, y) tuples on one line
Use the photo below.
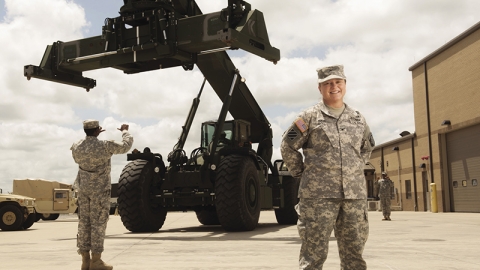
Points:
[(208, 129)]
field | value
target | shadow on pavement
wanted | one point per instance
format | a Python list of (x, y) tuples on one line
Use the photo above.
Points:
[(212, 233)]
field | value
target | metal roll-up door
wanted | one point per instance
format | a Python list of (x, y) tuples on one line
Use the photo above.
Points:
[(463, 158)]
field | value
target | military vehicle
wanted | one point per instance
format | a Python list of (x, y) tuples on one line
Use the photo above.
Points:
[(52, 198), (16, 212), (225, 181)]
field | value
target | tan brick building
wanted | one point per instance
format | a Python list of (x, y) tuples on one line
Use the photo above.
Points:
[(445, 147)]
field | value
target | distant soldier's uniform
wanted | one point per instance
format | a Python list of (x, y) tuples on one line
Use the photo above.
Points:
[(332, 191), (93, 158), (384, 187)]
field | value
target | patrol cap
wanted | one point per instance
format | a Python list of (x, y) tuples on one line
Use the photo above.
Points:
[(384, 173), (331, 72), (90, 124)]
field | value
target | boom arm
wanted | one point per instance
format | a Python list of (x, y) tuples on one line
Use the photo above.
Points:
[(157, 34), (153, 35)]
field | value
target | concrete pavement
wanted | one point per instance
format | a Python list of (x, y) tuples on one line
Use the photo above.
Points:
[(412, 240)]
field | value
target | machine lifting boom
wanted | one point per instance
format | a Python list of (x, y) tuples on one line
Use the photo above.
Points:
[(158, 34)]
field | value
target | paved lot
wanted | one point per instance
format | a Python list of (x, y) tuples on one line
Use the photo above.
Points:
[(411, 241)]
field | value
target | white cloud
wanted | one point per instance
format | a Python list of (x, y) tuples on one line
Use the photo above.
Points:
[(377, 41)]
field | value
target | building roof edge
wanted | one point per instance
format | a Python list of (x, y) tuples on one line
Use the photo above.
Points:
[(404, 138), (447, 45)]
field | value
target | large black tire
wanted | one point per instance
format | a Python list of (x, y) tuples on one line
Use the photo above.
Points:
[(50, 216), (208, 216), (287, 215), (29, 221), (11, 218), (137, 212), (237, 192)]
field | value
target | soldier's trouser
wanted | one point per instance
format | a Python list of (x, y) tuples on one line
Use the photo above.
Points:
[(316, 220), (93, 213), (385, 202)]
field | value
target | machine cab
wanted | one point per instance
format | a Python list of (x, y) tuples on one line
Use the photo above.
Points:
[(236, 133)]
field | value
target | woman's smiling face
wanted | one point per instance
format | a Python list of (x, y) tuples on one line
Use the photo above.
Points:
[(333, 92)]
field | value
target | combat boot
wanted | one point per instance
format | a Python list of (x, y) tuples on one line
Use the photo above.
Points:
[(97, 264), (85, 260)]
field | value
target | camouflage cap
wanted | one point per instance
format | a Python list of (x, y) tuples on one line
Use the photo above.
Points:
[(384, 173), (332, 72), (90, 124)]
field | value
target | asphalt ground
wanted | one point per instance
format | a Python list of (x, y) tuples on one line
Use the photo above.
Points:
[(412, 240)]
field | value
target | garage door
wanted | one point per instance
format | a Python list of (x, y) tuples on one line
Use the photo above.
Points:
[(463, 156)]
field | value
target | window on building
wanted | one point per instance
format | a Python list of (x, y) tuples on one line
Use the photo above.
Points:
[(408, 189)]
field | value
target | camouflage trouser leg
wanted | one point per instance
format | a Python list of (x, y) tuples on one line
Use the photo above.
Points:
[(316, 220), (351, 231), (93, 213), (385, 202)]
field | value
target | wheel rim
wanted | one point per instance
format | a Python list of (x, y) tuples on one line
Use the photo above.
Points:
[(252, 193), (9, 218)]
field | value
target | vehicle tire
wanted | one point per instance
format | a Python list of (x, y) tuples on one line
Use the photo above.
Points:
[(29, 221), (112, 210), (137, 212), (208, 216), (11, 217), (237, 192), (287, 215), (48, 216), (38, 216)]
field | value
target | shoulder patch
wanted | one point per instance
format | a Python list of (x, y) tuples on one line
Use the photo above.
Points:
[(292, 134), (301, 125)]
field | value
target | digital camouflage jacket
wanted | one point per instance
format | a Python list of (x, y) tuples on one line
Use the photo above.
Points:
[(335, 152), (93, 157)]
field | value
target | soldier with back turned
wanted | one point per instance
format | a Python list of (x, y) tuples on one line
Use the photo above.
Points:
[(94, 185)]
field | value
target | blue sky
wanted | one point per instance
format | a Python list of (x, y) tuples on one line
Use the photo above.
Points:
[(377, 41)]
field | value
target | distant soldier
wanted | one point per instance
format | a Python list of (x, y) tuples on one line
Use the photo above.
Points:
[(336, 143), (94, 183), (384, 189)]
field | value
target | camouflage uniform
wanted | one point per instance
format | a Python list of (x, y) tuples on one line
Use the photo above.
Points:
[(332, 187), (93, 158), (384, 192)]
